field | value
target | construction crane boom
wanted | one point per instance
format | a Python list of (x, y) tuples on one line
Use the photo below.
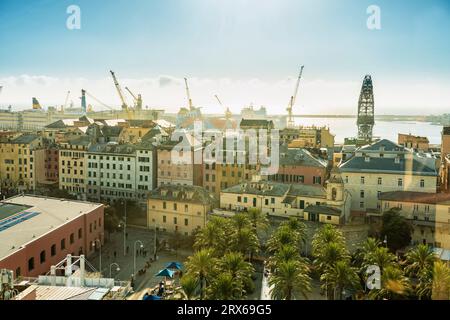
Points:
[(293, 99), (132, 94), (66, 101), (188, 94), (119, 91), (228, 113), (103, 104)]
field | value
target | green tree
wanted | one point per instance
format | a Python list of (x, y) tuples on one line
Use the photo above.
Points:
[(283, 235), (189, 285), (234, 264), (290, 280), (200, 264), (224, 287), (257, 219), (394, 285), (327, 234), (441, 281), (380, 257), (245, 241), (396, 229), (340, 276)]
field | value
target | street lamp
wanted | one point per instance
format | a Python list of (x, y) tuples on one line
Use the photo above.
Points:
[(94, 244), (134, 252), (110, 266), (385, 240), (125, 230)]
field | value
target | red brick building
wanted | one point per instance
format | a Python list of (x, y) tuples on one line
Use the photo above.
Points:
[(37, 232)]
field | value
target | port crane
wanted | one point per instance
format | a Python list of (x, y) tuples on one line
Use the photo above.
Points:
[(188, 94), (84, 92), (290, 122), (137, 100), (65, 101), (228, 113), (119, 91)]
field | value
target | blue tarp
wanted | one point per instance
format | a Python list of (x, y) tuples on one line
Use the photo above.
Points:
[(151, 297), (165, 273), (174, 265)]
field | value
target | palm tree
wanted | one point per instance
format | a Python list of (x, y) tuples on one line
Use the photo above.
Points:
[(257, 219), (215, 235), (419, 259), (394, 285), (234, 264), (380, 257), (244, 241), (297, 226), (441, 281), (189, 286), (224, 287), (240, 221), (340, 276), (200, 265), (290, 281), (329, 255), (328, 233), (283, 236)]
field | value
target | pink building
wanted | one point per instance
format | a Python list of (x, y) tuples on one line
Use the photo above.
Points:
[(37, 232)]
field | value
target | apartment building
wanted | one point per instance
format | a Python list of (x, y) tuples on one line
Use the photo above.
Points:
[(385, 166), (21, 159), (414, 142), (300, 166), (180, 160), (179, 208), (73, 166)]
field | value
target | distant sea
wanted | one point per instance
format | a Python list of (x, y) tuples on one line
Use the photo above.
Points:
[(346, 127)]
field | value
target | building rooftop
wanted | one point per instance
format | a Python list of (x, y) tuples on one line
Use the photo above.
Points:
[(384, 145), (416, 197), (414, 165), (300, 157), (24, 139), (182, 193), (256, 123), (268, 188), (26, 218), (112, 148)]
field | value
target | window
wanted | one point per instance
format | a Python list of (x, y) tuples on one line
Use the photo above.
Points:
[(380, 181), (346, 179), (422, 183), (266, 202), (302, 204), (272, 200), (164, 219), (18, 272), (239, 199), (245, 199), (164, 205), (186, 208), (317, 180), (72, 238), (31, 264), (361, 205), (361, 194), (53, 250), (175, 206), (186, 222), (63, 244), (42, 257), (328, 217), (175, 220), (362, 180), (400, 182)]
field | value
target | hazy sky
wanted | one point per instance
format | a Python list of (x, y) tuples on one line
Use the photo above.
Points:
[(246, 51)]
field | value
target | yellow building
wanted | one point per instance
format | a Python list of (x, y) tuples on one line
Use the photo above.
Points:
[(309, 202), (428, 213), (21, 159), (132, 134), (308, 137), (72, 166), (179, 208)]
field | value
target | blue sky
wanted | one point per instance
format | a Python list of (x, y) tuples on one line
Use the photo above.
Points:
[(237, 40)]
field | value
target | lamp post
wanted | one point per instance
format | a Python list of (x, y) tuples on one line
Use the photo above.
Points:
[(385, 240), (154, 243), (125, 230), (94, 244), (134, 252), (110, 268)]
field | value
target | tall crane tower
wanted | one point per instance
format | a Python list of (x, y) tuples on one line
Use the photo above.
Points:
[(290, 122), (119, 91), (366, 111), (188, 95)]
